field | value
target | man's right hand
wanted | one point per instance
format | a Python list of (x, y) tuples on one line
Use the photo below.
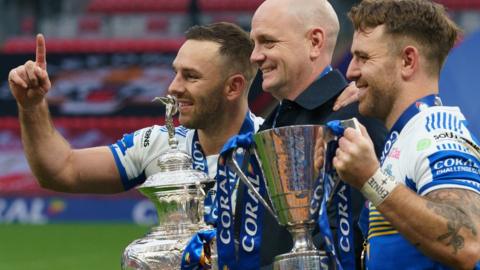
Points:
[(348, 96), (30, 83)]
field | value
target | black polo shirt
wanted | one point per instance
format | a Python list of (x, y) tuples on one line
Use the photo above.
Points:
[(314, 106)]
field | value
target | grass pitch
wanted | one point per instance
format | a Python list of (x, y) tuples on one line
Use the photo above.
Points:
[(65, 246)]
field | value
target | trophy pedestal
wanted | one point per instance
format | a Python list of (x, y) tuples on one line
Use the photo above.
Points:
[(305, 260), (160, 249), (304, 255)]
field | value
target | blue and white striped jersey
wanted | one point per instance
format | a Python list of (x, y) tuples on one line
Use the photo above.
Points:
[(136, 153), (433, 151)]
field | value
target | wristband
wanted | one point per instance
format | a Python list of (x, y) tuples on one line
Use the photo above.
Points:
[(378, 187)]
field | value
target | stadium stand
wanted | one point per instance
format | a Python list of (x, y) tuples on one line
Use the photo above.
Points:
[(108, 58)]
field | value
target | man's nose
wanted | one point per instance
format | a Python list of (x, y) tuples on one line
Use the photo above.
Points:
[(353, 71), (257, 55), (176, 87)]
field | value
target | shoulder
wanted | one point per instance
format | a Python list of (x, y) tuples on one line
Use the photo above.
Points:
[(440, 129), (440, 150), (157, 136)]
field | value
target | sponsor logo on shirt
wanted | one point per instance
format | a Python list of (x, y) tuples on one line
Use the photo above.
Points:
[(448, 135), (146, 138), (388, 144), (423, 144), (394, 153), (455, 164)]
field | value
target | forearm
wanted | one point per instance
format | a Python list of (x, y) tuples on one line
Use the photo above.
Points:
[(443, 229), (47, 152)]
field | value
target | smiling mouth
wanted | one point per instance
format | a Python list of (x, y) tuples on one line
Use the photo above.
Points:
[(182, 105), (266, 70)]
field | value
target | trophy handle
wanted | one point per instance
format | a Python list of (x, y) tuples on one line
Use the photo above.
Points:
[(352, 123), (234, 165)]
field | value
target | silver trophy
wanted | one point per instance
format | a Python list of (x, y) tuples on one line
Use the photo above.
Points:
[(177, 191), (286, 156)]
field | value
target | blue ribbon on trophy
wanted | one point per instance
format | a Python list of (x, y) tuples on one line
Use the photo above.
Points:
[(251, 220), (342, 200), (200, 163), (341, 197), (211, 202), (195, 256)]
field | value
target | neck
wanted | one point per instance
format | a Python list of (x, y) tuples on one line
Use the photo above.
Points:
[(408, 96), (215, 136)]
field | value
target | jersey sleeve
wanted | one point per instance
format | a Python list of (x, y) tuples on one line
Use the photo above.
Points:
[(444, 154), (134, 151)]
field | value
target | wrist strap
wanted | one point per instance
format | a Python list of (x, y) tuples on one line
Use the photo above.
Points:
[(378, 187)]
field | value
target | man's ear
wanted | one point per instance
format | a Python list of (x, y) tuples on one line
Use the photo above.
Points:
[(235, 86), (410, 61), (316, 37)]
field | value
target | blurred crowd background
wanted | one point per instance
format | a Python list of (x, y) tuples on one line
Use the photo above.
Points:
[(107, 60)]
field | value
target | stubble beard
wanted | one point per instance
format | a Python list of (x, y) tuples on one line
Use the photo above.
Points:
[(379, 101), (206, 113)]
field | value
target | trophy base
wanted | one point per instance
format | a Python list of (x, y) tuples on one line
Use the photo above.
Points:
[(305, 260), (160, 249)]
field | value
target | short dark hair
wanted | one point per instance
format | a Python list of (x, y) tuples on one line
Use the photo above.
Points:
[(235, 45), (423, 21)]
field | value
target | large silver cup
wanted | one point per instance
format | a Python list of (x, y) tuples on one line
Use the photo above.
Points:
[(178, 193), (286, 156)]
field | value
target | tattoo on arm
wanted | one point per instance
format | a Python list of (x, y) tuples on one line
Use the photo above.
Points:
[(461, 209)]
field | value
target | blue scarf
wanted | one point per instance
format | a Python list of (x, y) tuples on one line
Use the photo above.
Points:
[(191, 258), (248, 255)]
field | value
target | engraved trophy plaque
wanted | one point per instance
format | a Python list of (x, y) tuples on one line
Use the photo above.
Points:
[(177, 192), (286, 156)]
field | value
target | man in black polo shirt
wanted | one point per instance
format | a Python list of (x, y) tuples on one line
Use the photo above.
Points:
[(294, 43)]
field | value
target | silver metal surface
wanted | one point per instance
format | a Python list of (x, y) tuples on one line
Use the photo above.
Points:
[(177, 191), (306, 260), (160, 249), (287, 156)]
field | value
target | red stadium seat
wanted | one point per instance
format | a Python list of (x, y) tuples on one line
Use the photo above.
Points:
[(55, 45), (157, 24), (27, 25), (229, 5), (128, 6), (89, 24)]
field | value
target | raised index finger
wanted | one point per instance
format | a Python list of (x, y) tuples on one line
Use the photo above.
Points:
[(41, 54)]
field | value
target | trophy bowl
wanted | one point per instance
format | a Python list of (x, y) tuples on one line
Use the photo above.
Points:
[(177, 192), (286, 156)]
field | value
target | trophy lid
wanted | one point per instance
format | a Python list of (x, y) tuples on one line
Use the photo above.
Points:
[(174, 160), (175, 169)]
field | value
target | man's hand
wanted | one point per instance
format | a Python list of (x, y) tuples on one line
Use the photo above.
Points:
[(355, 159), (30, 83), (348, 96)]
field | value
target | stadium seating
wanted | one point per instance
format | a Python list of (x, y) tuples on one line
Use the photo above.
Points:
[(98, 45)]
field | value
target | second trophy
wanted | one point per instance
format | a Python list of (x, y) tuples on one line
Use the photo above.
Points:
[(287, 156)]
